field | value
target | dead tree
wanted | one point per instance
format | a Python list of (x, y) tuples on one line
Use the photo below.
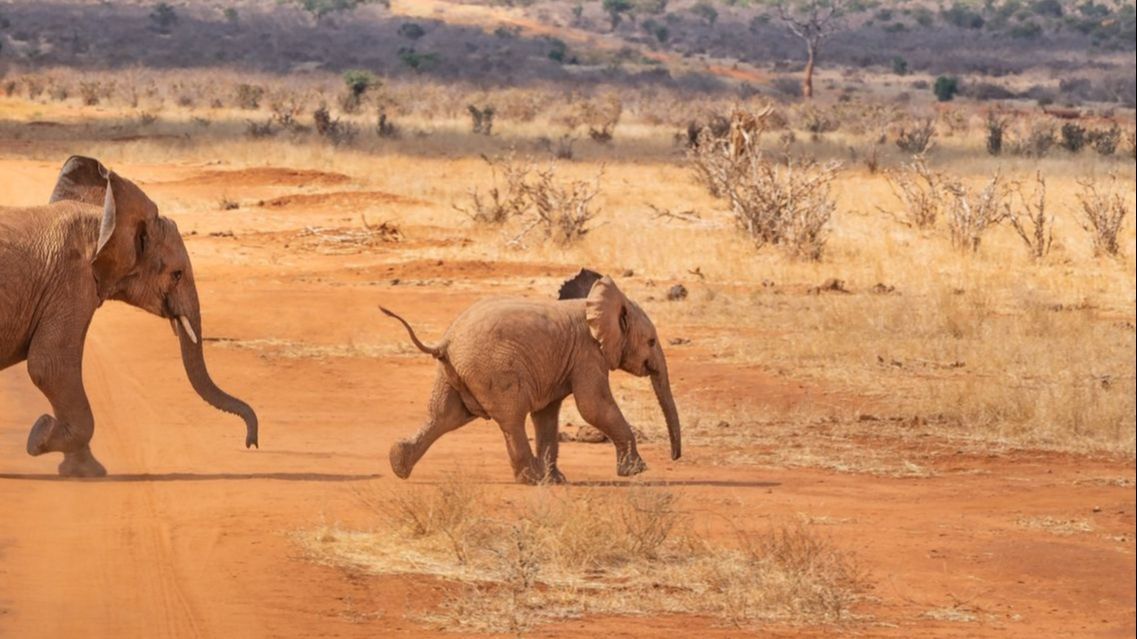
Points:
[(813, 21)]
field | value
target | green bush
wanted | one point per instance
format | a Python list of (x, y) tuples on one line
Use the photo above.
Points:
[(946, 87), (899, 66)]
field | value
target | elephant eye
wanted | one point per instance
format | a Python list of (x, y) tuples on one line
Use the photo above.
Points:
[(651, 343), (177, 276)]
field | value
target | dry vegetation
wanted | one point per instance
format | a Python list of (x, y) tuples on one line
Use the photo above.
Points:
[(632, 550), (867, 247)]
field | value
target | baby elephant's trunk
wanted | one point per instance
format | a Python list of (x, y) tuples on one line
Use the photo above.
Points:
[(433, 351)]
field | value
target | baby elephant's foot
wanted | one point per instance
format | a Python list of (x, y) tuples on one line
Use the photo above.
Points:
[(81, 463), (554, 476), (630, 465), (532, 474), (400, 459), (40, 435)]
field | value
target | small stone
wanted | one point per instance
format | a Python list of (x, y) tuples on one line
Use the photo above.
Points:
[(676, 293)]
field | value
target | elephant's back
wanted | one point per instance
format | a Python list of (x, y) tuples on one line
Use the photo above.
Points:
[(510, 350)]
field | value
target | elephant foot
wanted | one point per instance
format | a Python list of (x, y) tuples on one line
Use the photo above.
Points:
[(532, 474), (40, 435), (555, 476), (81, 463), (400, 454), (631, 465)]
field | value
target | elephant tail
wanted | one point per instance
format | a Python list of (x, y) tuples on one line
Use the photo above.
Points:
[(437, 352)]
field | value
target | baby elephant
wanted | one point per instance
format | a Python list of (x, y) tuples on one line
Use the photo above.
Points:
[(504, 359)]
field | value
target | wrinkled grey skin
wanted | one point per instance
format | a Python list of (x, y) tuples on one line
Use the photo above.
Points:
[(100, 238), (503, 359)]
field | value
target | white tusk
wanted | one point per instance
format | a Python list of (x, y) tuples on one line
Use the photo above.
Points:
[(174, 327), (187, 328)]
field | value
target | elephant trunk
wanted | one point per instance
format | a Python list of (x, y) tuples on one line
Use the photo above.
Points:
[(662, 386), (187, 325)]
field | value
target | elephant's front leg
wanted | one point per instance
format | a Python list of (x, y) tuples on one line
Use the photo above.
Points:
[(69, 431), (545, 422), (527, 469), (595, 403)]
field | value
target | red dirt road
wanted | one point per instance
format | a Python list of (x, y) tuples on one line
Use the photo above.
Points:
[(192, 535)]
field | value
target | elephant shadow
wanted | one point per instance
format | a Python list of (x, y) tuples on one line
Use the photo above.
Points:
[(189, 477), (667, 483)]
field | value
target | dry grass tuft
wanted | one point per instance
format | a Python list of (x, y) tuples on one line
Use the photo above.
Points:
[(562, 554), (1056, 526)]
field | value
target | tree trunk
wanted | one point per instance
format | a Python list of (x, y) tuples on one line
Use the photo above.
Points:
[(807, 79)]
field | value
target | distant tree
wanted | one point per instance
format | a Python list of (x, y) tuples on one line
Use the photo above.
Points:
[(946, 87), (231, 15), (411, 30), (616, 10), (813, 21), (706, 11), (321, 9), (358, 82), (163, 17)]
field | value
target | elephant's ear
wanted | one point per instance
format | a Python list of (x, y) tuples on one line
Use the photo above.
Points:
[(126, 209), (606, 311), (579, 285)]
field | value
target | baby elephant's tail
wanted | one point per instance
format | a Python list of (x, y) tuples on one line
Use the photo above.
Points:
[(433, 351)]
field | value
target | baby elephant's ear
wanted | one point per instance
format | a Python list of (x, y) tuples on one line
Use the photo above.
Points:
[(606, 311), (579, 285), (81, 180)]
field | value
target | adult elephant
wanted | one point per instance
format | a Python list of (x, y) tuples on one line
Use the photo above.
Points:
[(99, 239), (504, 359)]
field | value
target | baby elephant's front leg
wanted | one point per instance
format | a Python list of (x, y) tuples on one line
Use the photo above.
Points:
[(603, 413)]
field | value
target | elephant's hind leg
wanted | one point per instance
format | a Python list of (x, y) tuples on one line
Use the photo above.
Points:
[(545, 423), (527, 469), (69, 431), (447, 413)]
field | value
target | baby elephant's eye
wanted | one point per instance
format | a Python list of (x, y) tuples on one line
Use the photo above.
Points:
[(651, 343), (176, 276)]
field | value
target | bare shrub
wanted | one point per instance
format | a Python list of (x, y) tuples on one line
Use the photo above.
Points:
[(1073, 137), (1030, 220), (248, 96), (563, 210), (996, 132), (332, 129), (785, 202), (258, 130), (285, 111), (921, 190), (1104, 211), (385, 126), (970, 213), (816, 121), (91, 92), (1106, 141), (1039, 137), (918, 138), (507, 196), (481, 120), (601, 117), (560, 148)]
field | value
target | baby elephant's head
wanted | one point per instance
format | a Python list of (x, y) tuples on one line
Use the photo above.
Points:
[(627, 339)]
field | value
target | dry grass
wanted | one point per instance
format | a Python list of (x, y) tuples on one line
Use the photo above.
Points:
[(1056, 526), (999, 347), (566, 553)]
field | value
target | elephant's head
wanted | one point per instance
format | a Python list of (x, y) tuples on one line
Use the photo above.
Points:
[(627, 339), (139, 258)]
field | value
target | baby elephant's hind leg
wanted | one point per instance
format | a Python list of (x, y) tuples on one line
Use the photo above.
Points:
[(447, 413), (545, 423)]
